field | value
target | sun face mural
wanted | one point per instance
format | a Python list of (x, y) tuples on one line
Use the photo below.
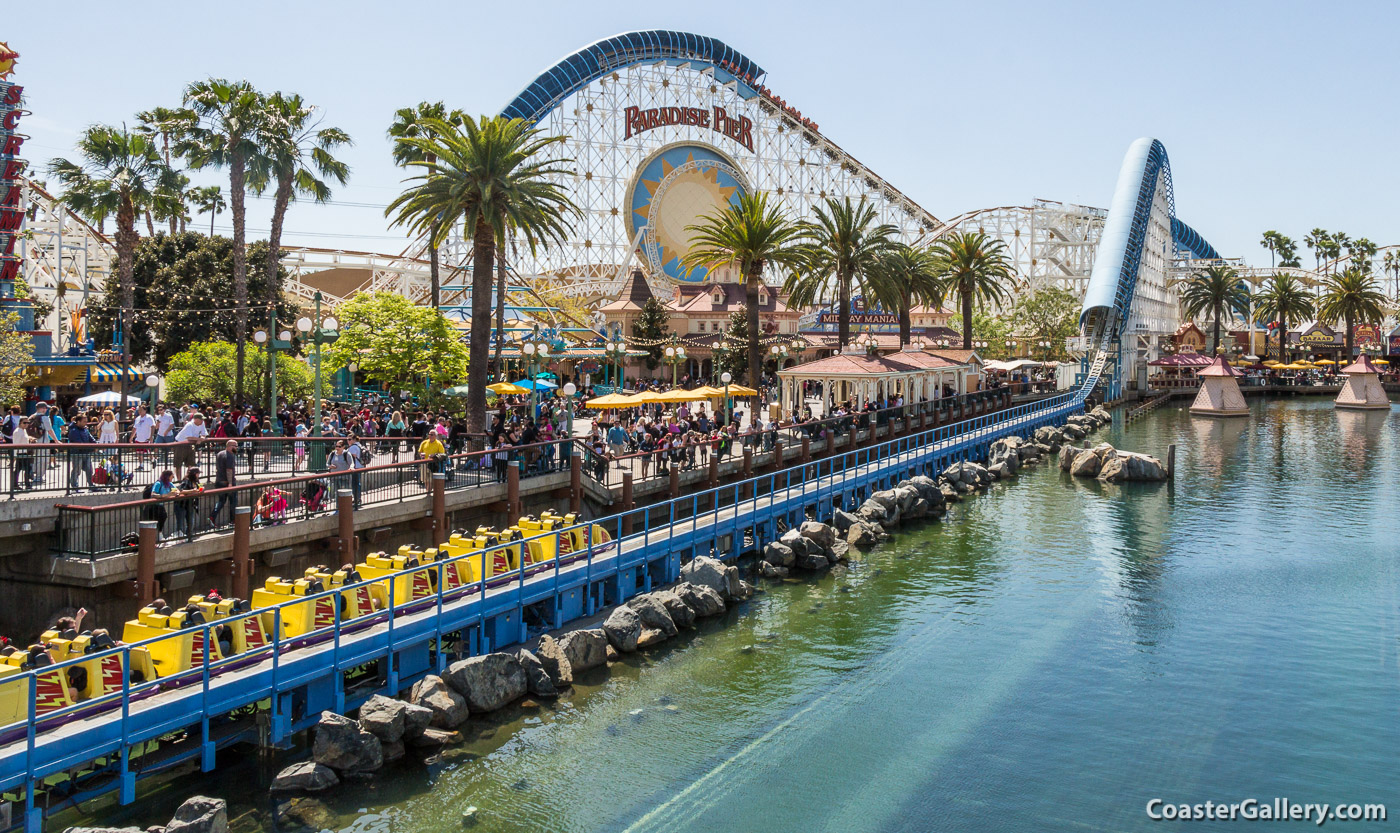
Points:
[(675, 188)]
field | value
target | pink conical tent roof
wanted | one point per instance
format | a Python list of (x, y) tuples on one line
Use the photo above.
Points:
[(1219, 367), (1362, 365)]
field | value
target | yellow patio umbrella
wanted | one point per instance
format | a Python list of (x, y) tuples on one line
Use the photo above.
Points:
[(1324, 361), (1379, 361), (501, 388), (708, 392), (611, 400), (740, 390), (1292, 366), (679, 395), (645, 397)]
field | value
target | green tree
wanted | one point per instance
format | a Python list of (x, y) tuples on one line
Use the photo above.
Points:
[(902, 277), (1351, 297), (16, 354), (398, 343), (296, 160), (650, 330), (987, 328), (120, 173), (491, 175), (750, 234), (204, 372), (841, 249), (221, 128), (182, 285), (735, 360), (1215, 291), (1319, 241), (975, 268), (165, 124), (1047, 314), (1285, 300), (412, 123)]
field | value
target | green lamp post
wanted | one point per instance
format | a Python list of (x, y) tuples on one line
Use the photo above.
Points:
[(534, 350), (273, 342), (327, 333), (675, 357)]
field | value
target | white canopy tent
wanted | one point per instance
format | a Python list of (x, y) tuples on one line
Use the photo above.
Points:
[(108, 397)]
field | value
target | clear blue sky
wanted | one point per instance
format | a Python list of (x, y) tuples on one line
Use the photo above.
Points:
[(1276, 115)]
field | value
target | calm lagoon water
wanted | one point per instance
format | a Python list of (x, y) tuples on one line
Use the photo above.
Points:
[(1052, 657)]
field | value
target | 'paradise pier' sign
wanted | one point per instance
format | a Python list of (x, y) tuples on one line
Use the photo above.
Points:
[(738, 128)]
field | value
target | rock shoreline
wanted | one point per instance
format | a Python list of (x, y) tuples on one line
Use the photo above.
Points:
[(427, 718)]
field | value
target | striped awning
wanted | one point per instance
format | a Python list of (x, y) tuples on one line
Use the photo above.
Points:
[(112, 372)]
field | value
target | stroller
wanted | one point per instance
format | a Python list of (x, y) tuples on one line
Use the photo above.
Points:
[(111, 472), (313, 497)]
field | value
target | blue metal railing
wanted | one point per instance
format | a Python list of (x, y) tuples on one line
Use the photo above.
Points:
[(154, 708)]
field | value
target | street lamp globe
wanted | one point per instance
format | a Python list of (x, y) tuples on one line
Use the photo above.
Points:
[(354, 367), (543, 350), (304, 324), (331, 324), (152, 380), (569, 389), (670, 351), (285, 335), (528, 348), (259, 336), (725, 377)]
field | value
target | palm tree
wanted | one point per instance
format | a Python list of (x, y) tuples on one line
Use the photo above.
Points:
[(975, 268), (165, 124), (841, 247), (221, 128), (492, 173), (1392, 268), (905, 275), (752, 235), (1271, 242), (120, 173), (1285, 300), (411, 123), (297, 156), (208, 200), (1318, 240), (1351, 296), (1215, 291)]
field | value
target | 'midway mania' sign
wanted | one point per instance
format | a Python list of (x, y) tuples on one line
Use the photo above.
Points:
[(11, 166), (738, 128)]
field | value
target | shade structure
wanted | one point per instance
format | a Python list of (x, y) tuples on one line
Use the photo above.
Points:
[(535, 384), (458, 390), (505, 388), (1220, 394), (1291, 366), (107, 397), (611, 400), (1324, 361), (1362, 389), (708, 392), (678, 395), (740, 390), (645, 397)]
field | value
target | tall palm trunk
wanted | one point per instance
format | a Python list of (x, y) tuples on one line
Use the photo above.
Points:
[(237, 175), (500, 313), (281, 200), (966, 293), (1350, 324), (126, 268), (843, 314), (1282, 337), (434, 282), (150, 224), (751, 287), (905, 302), (484, 257), (1215, 333)]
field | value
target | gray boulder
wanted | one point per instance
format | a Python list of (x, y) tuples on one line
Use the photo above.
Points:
[(341, 744), (778, 554), (887, 499), (813, 562), (1128, 465), (1102, 414), (487, 682), (393, 751), (999, 470), (556, 663), (712, 573), (435, 739), (842, 520), (701, 599), (681, 613), (862, 537), (307, 776), (793, 540), (839, 551), (907, 495), (585, 649), (384, 718), (623, 627), (1086, 464), (767, 570), (822, 533), (448, 707), (416, 720), (950, 494), (653, 614), (201, 814), (1067, 454), (742, 589), (537, 680)]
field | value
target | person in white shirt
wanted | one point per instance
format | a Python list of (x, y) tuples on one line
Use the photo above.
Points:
[(165, 425), (192, 433), (143, 428)]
